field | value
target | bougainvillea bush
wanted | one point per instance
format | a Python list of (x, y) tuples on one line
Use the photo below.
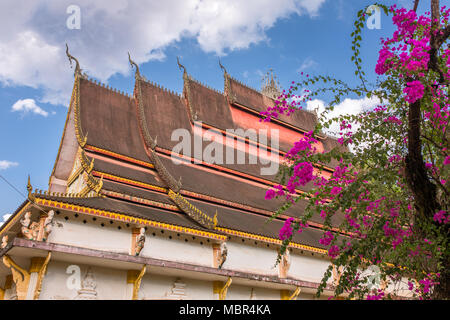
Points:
[(390, 184)]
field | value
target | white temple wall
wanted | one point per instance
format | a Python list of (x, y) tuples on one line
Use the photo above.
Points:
[(89, 235), (110, 284), (159, 287), (308, 268), (245, 257), (179, 250), (253, 259)]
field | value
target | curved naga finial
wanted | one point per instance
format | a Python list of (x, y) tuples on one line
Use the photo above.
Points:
[(77, 66), (181, 66), (134, 64), (222, 67)]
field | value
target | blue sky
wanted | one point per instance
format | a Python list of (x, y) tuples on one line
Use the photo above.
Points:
[(248, 36)]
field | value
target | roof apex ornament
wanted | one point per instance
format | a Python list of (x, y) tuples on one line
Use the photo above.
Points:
[(77, 65), (132, 63), (181, 66), (270, 85), (223, 68), (30, 190)]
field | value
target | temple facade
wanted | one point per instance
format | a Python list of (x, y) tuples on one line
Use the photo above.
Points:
[(127, 216)]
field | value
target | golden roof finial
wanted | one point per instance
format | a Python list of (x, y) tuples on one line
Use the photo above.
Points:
[(181, 66), (77, 66), (132, 63), (223, 68), (30, 189)]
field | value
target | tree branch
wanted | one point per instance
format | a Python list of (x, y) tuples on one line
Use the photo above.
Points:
[(416, 4)]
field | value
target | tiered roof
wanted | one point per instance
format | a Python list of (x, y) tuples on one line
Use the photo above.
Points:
[(125, 147)]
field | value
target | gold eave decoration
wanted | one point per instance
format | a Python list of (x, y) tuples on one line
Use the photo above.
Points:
[(93, 184), (129, 219), (85, 163), (193, 212)]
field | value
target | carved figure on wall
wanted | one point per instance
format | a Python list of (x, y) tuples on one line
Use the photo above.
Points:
[(337, 273), (222, 254), (29, 232), (285, 263), (88, 287), (140, 241), (48, 225), (4, 241)]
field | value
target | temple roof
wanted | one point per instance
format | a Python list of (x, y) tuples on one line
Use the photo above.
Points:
[(130, 141)]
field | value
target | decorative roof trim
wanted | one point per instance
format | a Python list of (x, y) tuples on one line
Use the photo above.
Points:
[(74, 176), (171, 227), (85, 163), (132, 63), (148, 140), (187, 92), (38, 193), (77, 66), (128, 219), (81, 138), (93, 184), (164, 173), (269, 240), (193, 212)]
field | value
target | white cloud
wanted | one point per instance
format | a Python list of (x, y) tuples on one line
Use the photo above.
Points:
[(306, 64), (348, 106), (5, 218), (32, 51), (26, 106), (4, 164)]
